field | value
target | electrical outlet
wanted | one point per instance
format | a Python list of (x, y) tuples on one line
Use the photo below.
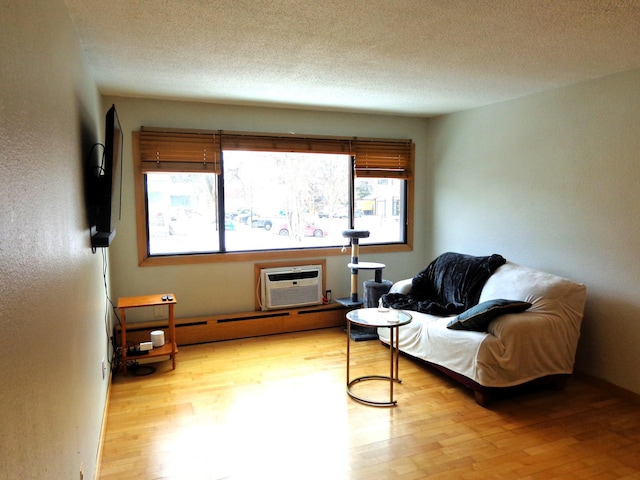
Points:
[(158, 311), (104, 369)]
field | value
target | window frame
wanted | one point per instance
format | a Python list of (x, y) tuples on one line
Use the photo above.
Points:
[(367, 164)]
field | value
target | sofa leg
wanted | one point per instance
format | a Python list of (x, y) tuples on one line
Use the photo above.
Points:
[(483, 397), (558, 382)]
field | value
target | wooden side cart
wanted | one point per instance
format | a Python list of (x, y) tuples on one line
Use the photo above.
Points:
[(170, 347)]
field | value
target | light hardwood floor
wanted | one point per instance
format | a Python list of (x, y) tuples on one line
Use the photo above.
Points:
[(276, 408)]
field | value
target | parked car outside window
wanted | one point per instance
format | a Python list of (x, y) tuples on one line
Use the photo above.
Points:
[(309, 230)]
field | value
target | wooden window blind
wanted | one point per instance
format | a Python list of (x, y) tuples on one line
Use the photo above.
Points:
[(174, 151), (383, 159), (284, 143), (192, 151)]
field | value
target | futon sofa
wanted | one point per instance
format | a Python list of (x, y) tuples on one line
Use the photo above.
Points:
[(489, 323)]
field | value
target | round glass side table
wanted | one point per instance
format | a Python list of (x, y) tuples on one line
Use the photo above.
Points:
[(377, 318)]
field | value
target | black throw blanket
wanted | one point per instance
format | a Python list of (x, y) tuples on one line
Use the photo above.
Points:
[(451, 284)]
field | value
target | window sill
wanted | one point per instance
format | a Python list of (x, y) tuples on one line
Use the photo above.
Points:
[(266, 255)]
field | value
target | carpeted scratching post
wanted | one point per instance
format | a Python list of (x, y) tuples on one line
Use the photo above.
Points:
[(354, 236), (373, 290), (358, 332)]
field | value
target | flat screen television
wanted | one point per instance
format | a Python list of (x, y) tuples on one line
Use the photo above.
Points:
[(106, 185)]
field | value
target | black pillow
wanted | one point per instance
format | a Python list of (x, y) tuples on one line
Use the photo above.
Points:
[(477, 318)]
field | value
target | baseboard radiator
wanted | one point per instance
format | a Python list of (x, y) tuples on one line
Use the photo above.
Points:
[(213, 328)]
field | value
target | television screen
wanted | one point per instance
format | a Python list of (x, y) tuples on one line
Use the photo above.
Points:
[(107, 190)]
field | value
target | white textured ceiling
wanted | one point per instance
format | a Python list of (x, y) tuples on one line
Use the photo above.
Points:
[(414, 57)]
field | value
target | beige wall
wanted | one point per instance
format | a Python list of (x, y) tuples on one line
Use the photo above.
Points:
[(52, 334), (228, 287), (551, 181)]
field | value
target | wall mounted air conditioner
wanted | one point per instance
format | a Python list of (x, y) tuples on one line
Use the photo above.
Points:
[(288, 287)]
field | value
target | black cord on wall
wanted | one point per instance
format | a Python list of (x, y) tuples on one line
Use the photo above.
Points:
[(115, 362)]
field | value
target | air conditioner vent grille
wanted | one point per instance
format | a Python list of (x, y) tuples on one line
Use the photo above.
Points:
[(289, 287), (277, 277)]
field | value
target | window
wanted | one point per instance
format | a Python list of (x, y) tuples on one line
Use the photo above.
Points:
[(182, 213), (204, 196), (280, 200)]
